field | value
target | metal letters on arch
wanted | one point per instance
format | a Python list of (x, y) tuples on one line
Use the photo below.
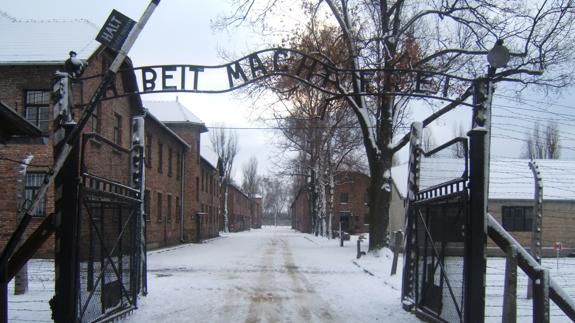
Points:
[(313, 70)]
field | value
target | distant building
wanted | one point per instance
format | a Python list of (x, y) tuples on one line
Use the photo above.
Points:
[(210, 217), (350, 204), (511, 197)]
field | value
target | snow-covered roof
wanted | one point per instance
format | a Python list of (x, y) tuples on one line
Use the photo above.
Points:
[(172, 112), (210, 156), (510, 179), (45, 41), (152, 117)]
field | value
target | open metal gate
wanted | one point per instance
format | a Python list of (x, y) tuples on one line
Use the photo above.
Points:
[(109, 240), (435, 242)]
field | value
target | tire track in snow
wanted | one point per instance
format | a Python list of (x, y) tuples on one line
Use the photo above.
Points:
[(311, 307)]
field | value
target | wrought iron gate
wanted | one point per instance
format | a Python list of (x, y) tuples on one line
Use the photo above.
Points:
[(109, 255), (437, 213)]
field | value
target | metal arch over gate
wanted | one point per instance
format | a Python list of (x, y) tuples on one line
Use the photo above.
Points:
[(314, 71)]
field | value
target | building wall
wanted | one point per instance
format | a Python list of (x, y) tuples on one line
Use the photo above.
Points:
[(239, 210), (257, 210), (13, 85), (209, 201), (163, 225), (192, 204), (558, 224), (350, 198), (354, 185), (300, 212)]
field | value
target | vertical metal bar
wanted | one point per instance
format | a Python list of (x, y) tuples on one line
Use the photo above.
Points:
[(66, 264), (476, 233), (541, 297), (537, 220), (3, 302), (409, 283), (510, 288), (397, 247)]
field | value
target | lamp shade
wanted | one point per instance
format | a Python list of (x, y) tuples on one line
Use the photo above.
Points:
[(498, 56)]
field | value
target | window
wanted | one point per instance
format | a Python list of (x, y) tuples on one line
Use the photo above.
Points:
[(344, 197), (203, 180), (147, 205), (159, 202), (169, 161), (198, 149), (178, 209), (169, 213), (33, 182), (96, 119), (160, 157), (517, 218), (179, 165), (37, 103), (148, 150), (117, 136)]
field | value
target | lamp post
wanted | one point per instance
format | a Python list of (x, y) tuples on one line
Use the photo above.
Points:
[(479, 155)]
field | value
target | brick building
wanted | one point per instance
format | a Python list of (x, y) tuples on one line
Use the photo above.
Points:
[(350, 204), (210, 218), (244, 212), (164, 197), (199, 214), (31, 53)]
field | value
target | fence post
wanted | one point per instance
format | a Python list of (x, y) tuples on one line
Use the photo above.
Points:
[(398, 242), (537, 227), (541, 297), (410, 249), (510, 287), (475, 226)]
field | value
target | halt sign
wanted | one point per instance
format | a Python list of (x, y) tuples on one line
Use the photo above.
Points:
[(115, 30)]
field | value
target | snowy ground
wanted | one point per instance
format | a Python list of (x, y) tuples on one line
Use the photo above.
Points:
[(275, 275), (268, 275)]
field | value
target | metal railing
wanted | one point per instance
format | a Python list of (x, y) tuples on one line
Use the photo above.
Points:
[(544, 287)]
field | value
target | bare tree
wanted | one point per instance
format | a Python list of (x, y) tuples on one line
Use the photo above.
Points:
[(448, 36), (544, 145), (225, 144), (274, 198), (251, 180)]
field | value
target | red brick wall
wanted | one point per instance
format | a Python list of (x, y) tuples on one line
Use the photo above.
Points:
[(256, 205), (239, 210), (209, 200), (192, 206), (355, 185), (13, 84), (300, 212), (163, 228)]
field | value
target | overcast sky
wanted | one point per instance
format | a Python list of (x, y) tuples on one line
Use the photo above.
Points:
[(179, 32)]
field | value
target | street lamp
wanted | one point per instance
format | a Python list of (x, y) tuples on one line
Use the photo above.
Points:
[(497, 57)]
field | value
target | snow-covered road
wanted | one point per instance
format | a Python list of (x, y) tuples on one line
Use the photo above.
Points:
[(267, 275)]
